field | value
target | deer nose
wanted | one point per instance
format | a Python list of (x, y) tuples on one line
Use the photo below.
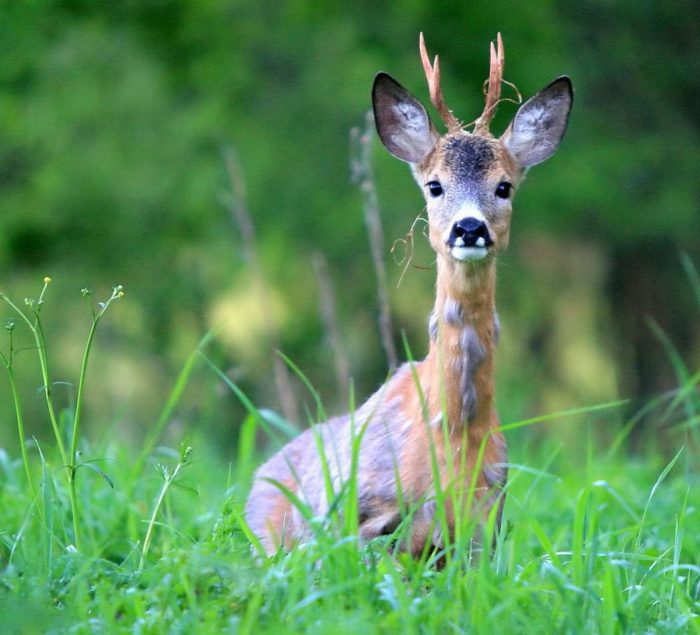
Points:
[(470, 232)]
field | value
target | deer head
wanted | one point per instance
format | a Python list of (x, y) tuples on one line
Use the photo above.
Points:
[(469, 179)]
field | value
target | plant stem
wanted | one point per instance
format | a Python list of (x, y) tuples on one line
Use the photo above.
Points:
[(74, 508), (116, 293), (70, 461), (20, 428), (169, 480), (79, 397), (72, 473), (43, 363)]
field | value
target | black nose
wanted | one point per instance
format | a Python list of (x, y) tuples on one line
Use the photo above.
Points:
[(470, 232)]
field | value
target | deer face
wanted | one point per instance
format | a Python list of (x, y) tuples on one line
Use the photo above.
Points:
[(469, 179), (468, 182)]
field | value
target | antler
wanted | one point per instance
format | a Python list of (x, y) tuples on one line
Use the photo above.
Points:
[(432, 74), (493, 94)]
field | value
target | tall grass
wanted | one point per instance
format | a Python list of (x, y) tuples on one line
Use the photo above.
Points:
[(594, 540), (70, 459)]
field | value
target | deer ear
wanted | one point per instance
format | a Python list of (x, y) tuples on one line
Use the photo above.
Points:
[(402, 122), (540, 123)]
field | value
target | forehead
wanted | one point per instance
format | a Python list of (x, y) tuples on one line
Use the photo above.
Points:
[(465, 156)]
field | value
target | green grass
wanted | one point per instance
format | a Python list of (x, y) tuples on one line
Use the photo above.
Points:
[(595, 540)]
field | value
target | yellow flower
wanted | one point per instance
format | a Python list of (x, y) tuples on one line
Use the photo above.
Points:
[(47, 280)]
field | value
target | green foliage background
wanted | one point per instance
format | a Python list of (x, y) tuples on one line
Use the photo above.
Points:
[(114, 118)]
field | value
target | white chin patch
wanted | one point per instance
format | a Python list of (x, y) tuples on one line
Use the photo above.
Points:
[(469, 253)]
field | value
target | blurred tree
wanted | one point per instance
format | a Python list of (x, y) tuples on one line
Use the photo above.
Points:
[(113, 117), (639, 65)]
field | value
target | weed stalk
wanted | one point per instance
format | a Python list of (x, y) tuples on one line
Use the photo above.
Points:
[(7, 361), (168, 480)]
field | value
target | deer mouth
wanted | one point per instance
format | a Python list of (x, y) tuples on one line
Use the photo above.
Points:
[(468, 254)]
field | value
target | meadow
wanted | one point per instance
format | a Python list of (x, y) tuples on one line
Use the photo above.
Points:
[(216, 159), (103, 536)]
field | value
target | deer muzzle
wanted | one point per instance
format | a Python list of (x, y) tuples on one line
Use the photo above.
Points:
[(469, 239)]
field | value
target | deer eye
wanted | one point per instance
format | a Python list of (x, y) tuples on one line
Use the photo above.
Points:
[(435, 188), (503, 189)]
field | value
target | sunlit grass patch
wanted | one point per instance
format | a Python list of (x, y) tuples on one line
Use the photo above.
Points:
[(594, 539)]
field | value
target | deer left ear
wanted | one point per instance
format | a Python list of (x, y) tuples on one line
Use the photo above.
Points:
[(540, 123), (402, 123)]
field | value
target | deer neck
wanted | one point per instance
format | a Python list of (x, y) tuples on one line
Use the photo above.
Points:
[(463, 336)]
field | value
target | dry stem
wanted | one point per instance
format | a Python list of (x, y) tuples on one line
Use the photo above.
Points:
[(363, 176), (329, 316), (236, 203)]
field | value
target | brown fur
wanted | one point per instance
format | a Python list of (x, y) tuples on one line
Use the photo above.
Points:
[(399, 435), (442, 406)]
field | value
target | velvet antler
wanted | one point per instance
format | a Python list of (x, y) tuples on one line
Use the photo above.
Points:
[(493, 90), (432, 74)]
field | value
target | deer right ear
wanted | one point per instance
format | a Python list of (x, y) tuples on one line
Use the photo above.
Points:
[(540, 124), (402, 122)]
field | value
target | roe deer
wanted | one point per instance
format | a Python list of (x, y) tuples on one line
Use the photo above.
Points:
[(434, 420)]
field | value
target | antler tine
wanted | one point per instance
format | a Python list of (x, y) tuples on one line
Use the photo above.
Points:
[(493, 94), (432, 74)]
